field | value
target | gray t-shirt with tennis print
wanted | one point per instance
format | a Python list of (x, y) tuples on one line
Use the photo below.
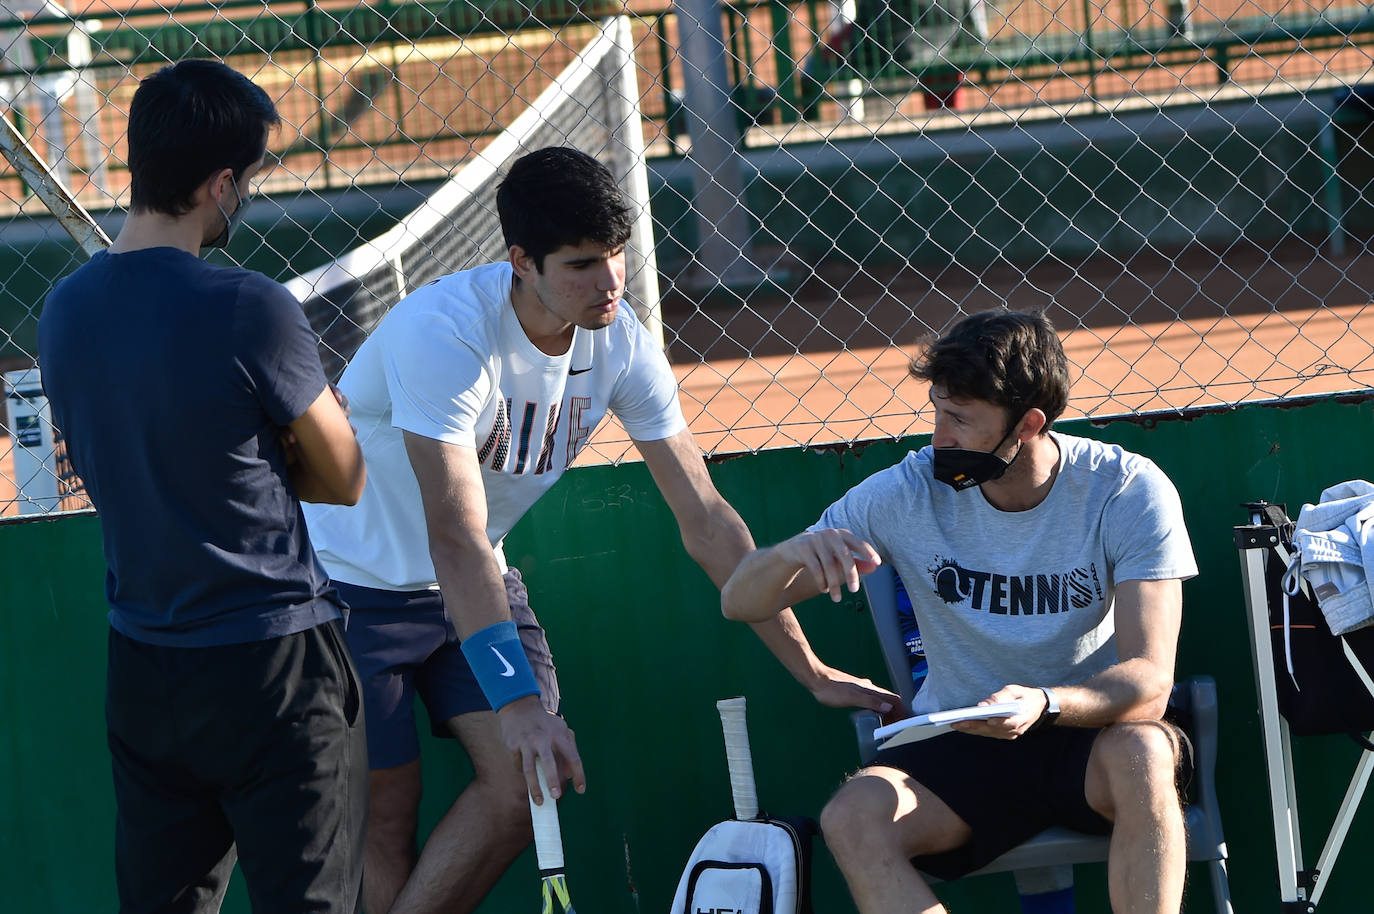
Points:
[(1020, 597)]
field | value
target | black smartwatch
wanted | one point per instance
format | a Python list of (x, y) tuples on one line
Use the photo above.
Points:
[(1051, 713)]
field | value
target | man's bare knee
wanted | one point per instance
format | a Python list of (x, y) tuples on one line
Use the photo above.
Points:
[(1138, 748), (864, 799), (857, 821), (1133, 762), (882, 810), (509, 810), (843, 815), (497, 782)]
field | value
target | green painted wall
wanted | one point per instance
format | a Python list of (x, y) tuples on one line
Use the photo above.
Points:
[(644, 653)]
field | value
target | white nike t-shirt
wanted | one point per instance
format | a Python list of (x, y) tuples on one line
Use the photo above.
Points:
[(451, 362)]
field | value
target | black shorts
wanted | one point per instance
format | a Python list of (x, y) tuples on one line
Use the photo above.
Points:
[(1007, 791), (254, 751)]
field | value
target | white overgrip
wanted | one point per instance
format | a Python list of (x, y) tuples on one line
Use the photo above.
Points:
[(548, 838), (739, 758)]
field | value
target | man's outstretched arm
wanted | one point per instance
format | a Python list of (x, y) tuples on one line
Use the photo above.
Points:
[(475, 598), (811, 563), (717, 539)]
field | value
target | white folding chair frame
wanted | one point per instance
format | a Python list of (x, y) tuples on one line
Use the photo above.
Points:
[(1299, 889)]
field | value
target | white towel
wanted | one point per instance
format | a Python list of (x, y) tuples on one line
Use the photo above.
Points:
[(1334, 552)]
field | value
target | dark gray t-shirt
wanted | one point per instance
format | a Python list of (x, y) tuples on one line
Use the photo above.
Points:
[(1020, 597), (170, 380)]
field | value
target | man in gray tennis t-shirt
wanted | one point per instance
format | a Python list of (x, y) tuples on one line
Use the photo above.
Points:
[(1042, 568), (1022, 596)]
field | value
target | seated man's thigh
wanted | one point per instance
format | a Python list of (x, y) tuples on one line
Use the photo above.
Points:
[(1006, 791)]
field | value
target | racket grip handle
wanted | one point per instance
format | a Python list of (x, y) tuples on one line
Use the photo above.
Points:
[(738, 757), (548, 837)]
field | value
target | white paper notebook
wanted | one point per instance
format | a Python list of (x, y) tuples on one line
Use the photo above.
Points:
[(924, 726)]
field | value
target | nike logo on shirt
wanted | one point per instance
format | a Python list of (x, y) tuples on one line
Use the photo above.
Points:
[(509, 670), (576, 371)]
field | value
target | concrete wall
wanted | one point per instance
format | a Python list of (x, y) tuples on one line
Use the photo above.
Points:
[(644, 653)]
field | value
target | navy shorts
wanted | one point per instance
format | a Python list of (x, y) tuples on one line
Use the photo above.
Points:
[(403, 642)]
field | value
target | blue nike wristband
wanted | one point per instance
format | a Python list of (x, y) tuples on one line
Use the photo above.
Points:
[(498, 661)]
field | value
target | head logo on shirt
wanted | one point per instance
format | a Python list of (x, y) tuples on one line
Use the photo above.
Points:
[(1015, 595)]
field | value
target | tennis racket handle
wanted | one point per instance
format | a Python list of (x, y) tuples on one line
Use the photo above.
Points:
[(739, 758), (548, 838)]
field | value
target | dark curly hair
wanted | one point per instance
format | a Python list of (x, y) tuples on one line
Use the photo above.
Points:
[(1011, 359)]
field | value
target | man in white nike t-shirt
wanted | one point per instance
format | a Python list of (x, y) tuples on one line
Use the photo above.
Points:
[(471, 398)]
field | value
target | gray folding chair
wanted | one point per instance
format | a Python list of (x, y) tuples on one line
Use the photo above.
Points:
[(1038, 861)]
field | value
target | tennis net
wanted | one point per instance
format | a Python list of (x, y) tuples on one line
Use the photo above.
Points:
[(593, 105)]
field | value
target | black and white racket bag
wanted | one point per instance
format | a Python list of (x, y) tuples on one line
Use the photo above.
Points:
[(754, 863)]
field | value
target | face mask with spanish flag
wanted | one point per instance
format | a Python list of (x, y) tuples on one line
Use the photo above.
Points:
[(962, 468)]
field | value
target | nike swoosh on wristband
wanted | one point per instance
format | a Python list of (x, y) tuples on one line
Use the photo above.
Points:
[(509, 670), (573, 371)]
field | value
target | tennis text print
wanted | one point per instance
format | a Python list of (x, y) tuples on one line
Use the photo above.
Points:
[(1016, 595)]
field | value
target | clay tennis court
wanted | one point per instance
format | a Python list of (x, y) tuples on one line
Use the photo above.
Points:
[(1253, 326)]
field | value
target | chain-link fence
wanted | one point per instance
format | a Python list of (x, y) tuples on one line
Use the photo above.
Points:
[(1185, 185)]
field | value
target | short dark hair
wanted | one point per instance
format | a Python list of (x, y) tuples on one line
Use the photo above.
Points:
[(188, 121), (1011, 359), (559, 196)]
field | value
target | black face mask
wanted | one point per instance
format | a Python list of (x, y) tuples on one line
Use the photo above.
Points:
[(231, 222), (963, 469)]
